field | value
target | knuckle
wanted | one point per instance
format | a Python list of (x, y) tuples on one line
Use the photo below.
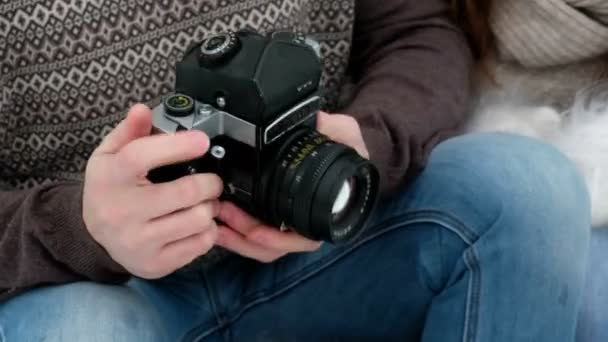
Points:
[(263, 260), (149, 234), (189, 190), (350, 119), (207, 242), (128, 159), (95, 174), (150, 270), (214, 183), (314, 247), (311, 244), (114, 215), (130, 245), (203, 214), (267, 259), (107, 214)]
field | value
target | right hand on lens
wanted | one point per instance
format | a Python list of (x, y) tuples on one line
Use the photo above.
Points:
[(150, 229)]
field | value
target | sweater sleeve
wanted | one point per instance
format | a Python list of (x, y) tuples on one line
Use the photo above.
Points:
[(411, 67), (43, 240)]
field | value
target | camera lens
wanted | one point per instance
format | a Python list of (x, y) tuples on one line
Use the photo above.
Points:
[(344, 200), (321, 189), (179, 105)]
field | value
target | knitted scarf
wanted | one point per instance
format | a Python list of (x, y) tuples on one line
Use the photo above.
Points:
[(549, 82), (541, 33)]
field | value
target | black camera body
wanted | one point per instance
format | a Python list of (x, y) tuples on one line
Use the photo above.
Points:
[(257, 98)]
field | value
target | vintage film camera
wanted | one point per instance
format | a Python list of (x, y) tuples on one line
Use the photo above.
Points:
[(257, 98)]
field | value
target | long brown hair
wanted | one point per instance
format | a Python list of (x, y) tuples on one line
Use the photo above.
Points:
[(474, 18)]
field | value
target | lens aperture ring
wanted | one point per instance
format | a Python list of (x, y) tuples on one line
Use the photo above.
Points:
[(272, 201), (294, 162)]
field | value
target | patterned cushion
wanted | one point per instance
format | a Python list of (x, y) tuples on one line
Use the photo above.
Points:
[(70, 69)]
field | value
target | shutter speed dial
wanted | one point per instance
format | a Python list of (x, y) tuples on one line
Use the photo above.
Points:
[(218, 49)]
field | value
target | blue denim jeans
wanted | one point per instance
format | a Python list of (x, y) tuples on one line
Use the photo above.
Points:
[(593, 320), (489, 243)]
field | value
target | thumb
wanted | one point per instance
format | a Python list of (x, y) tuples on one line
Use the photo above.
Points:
[(326, 125), (335, 126), (137, 124), (342, 129)]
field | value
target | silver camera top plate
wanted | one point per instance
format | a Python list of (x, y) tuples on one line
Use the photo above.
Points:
[(207, 119)]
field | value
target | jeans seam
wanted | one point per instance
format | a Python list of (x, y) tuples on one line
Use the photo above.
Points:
[(2, 338), (419, 216), (442, 267), (471, 319), (195, 333), (440, 218), (444, 220)]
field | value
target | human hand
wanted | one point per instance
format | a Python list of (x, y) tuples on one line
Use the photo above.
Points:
[(150, 229), (248, 237), (343, 129)]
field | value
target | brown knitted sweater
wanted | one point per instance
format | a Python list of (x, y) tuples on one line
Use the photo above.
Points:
[(70, 70)]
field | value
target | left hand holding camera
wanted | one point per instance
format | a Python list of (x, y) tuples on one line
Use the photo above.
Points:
[(250, 238), (343, 129)]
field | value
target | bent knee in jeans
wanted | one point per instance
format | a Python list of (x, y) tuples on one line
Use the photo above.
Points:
[(80, 312), (481, 178), (485, 186)]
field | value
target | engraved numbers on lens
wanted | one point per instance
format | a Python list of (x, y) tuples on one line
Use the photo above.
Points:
[(308, 149)]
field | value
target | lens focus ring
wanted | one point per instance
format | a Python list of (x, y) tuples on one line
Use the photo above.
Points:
[(303, 184)]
